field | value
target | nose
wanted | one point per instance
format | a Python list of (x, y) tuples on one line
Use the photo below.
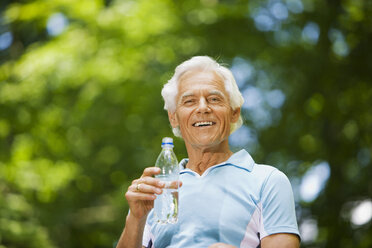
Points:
[(203, 106)]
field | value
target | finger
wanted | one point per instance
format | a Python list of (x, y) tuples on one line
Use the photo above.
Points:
[(150, 171), (173, 184), (139, 196), (156, 182), (145, 188)]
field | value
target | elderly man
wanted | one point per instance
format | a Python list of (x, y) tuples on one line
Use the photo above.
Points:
[(227, 200)]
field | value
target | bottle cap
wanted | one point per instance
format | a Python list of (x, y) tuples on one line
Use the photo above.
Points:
[(167, 142)]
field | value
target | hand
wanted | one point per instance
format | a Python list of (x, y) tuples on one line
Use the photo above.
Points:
[(141, 193), (221, 245)]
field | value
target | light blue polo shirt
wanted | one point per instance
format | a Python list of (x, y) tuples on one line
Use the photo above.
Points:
[(236, 202)]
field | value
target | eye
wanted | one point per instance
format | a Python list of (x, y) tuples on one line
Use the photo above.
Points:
[(214, 99), (188, 101)]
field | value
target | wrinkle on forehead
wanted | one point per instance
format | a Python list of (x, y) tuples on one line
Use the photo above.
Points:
[(201, 75), (211, 92)]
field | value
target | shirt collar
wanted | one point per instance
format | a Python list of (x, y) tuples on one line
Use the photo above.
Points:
[(241, 159)]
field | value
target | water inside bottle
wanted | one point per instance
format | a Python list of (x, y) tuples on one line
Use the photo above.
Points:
[(166, 204)]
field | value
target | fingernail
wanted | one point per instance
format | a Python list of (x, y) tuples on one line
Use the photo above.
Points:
[(158, 191), (161, 184)]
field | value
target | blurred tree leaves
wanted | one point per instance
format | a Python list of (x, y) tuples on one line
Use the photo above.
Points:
[(81, 113)]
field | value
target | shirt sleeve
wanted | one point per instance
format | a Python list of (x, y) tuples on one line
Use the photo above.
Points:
[(278, 209), (147, 237)]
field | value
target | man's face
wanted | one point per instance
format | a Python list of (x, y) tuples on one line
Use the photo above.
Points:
[(203, 112)]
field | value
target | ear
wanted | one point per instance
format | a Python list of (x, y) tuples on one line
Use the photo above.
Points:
[(235, 115), (173, 119)]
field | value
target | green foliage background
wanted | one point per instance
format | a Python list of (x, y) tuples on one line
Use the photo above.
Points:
[(81, 113)]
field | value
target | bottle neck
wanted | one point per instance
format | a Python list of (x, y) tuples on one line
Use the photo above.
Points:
[(167, 147)]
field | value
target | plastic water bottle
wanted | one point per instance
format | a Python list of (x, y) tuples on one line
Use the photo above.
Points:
[(166, 204)]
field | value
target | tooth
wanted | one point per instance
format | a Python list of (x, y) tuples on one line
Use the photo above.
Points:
[(209, 123)]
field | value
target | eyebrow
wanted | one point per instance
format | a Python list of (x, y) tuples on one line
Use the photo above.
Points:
[(216, 92), (186, 94), (212, 92)]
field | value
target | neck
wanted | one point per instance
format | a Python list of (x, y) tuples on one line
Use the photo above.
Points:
[(201, 158)]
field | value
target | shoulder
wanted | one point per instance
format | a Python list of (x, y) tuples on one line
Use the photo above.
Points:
[(267, 172), (263, 169), (271, 177)]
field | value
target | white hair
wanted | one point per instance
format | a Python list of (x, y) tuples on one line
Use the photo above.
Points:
[(204, 63)]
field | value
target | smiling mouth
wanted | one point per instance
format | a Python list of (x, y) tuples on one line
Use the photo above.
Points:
[(203, 124)]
